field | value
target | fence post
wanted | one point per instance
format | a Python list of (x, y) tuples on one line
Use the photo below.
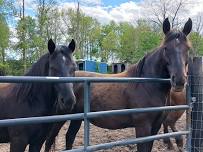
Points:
[(86, 110), (196, 80), (188, 115)]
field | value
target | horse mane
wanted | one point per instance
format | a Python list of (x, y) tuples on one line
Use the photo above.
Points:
[(26, 91), (136, 69), (174, 34)]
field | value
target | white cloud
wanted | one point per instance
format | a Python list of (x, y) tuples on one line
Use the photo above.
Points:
[(29, 4), (67, 5), (124, 12), (92, 2), (197, 8), (98, 13), (128, 11)]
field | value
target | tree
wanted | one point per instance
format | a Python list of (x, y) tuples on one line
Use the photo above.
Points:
[(71, 29), (94, 36), (6, 9), (146, 39), (110, 46), (4, 38), (26, 34), (53, 25), (197, 43), (158, 10), (44, 8), (84, 29), (137, 41), (196, 35), (109, 41), (127, 42)]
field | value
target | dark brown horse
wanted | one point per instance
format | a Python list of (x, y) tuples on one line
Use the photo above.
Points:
[(176, 98), (37, 99), (167, 61)]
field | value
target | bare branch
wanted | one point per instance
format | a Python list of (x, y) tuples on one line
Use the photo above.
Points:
[(176, 12)]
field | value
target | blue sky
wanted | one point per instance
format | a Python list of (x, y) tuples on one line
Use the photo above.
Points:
[(103, 10), (116, 2), (107, 10), (104, 3)]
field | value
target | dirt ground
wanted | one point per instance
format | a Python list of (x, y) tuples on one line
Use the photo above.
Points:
[(99, 136)]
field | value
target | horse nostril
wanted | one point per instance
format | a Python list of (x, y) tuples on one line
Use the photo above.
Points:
[(183, 82), (173, 78), (62, 100)]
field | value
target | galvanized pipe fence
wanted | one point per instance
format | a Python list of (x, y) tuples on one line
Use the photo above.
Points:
[(88, 115)]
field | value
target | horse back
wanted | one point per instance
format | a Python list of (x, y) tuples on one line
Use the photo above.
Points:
[(109, 96), (95, 74)]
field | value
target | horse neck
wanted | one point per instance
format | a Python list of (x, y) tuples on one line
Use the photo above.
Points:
[(42, 93), (154, 67), (45, 92)]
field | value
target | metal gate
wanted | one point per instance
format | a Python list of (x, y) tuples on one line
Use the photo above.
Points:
[(191, 132)]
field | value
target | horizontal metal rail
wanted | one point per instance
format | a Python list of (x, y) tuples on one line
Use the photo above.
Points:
[(129, 141), (24, 79), (90, 115)]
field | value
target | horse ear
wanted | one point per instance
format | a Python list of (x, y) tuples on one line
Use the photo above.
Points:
[(166, 26), (51, 46), (71, 45), (188, 27)]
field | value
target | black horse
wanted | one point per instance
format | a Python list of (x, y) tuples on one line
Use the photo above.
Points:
[(37, 99), (167, 61)]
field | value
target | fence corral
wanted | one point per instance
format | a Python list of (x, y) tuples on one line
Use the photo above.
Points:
[(196, 81), (193, 132)]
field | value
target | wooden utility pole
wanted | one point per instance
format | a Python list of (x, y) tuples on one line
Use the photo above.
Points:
[(77, 38), (23, 39)]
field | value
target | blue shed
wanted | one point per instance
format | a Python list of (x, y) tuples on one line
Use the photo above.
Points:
[(86, 65), (118, 67), (102, 66)]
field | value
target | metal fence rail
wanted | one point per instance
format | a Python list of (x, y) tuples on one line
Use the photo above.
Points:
[(24, 79), (90, 115), (87, 114), (129, 141)]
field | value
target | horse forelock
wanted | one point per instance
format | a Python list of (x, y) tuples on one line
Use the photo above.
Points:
[(178, 36), (175, 35)]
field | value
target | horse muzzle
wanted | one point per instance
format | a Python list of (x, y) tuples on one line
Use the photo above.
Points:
[(66, 104), (178, 85)]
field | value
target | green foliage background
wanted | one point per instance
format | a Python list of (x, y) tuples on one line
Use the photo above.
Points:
[(124, 42)]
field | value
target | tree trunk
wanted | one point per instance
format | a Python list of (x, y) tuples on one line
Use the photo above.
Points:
[(24, 50), (3, 56)]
